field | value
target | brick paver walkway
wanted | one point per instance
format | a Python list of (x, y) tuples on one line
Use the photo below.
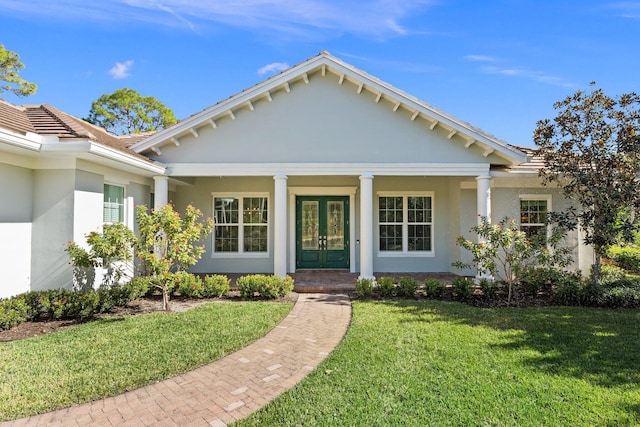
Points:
[(230, 388)]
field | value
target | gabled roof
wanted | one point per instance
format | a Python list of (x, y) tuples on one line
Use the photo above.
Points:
[(323, 64)]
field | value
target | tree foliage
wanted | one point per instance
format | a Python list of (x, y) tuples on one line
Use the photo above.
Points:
[(591, 150), (10, 66), (167, 242), (125, 112), (505, 252)]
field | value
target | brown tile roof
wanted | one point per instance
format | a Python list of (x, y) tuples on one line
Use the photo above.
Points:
[(49, 121)]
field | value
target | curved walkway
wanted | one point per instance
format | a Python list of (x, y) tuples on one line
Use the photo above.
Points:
[(230, 388)]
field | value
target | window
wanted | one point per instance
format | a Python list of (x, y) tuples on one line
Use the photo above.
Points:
[(113, 207), (241, 224), (533, 215), (405, 223)]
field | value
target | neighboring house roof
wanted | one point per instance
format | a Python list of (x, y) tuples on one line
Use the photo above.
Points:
[(45, 120), (325, 63)]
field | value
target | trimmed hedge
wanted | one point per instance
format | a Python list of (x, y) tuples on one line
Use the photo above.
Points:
[(264, 286)]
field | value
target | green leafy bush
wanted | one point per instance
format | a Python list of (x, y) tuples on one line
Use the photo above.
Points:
[(489, 288), (462, 288), (538, 279), (627, 257), (263, 286), (620, 297), (66, 304), (386, 287), (13, 311), (407, 287), (188, 285), (433, 288), (217, 285), (364, 287), (569, 289)]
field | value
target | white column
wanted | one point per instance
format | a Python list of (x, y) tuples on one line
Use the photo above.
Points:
[(484, 196), (280, 226), (161, 191), (366, 226)]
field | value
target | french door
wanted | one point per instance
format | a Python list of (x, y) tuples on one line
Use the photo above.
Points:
[(322, 232)]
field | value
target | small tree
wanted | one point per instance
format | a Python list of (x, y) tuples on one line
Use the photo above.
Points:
[(125, 111), (591, 150), (10, 66), (108, 249), (505, 252), (167, 243)]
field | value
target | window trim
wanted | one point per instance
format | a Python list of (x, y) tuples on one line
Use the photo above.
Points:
[(241, 253), (405, 253), (123, 205), (534, 197)]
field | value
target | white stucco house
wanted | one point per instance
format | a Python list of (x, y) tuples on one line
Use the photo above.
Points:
[(319, 167)]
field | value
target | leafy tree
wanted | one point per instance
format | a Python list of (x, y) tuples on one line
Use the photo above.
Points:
[(591, 151), (108, 250), (125, 111), (10, 65), (167, 243), (505, 253)]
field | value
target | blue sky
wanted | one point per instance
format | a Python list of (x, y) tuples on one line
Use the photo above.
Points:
[(498, 64)]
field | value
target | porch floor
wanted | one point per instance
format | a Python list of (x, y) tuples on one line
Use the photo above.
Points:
[(314, 281)]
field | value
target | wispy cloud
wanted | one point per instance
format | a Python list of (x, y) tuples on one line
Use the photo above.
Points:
[(273, 68), (480, 58), (627, 9), (403, 66), (310, 18), (516, 71), (121, 70)]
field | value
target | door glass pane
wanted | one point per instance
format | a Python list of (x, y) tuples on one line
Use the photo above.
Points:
[(335, 225), (310, 225)]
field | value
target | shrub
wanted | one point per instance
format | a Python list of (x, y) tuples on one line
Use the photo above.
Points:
[(536, 279), (364, 287), (137, 287), (489, 288), (386, 287), (188, 285), (13, 312), (407, 287), (217, 285), (64, 304), (627, 257), (462, 287), (433, 288), (32, 300), (620, 297), (610, 275), (263, 286), (568, 289)]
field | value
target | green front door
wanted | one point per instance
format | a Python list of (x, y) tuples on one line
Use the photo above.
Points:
[(322, 232)]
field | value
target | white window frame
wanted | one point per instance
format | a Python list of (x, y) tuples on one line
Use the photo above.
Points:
[(405, 253), (123, 206), (534, 197), (241, 253)]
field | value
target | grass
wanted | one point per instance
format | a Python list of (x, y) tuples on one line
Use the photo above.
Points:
[(113, 355), (418, 363)]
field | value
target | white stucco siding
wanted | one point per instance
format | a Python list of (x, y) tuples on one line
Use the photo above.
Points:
[(52, 228), (15, 258), (322, 122)]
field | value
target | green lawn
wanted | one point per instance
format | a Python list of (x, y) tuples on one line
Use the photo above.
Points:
[(110, 356), (418, 363)]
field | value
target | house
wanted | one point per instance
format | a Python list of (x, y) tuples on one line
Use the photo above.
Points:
[(319, 167)]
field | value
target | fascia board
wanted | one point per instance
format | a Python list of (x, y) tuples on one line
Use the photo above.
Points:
[(327, 169), (29, 141)]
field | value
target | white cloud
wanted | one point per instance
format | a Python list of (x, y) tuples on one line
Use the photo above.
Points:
[(537, 76), (628, 9), (293, 18), (121, 70), (274, 67), (480, 58)]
